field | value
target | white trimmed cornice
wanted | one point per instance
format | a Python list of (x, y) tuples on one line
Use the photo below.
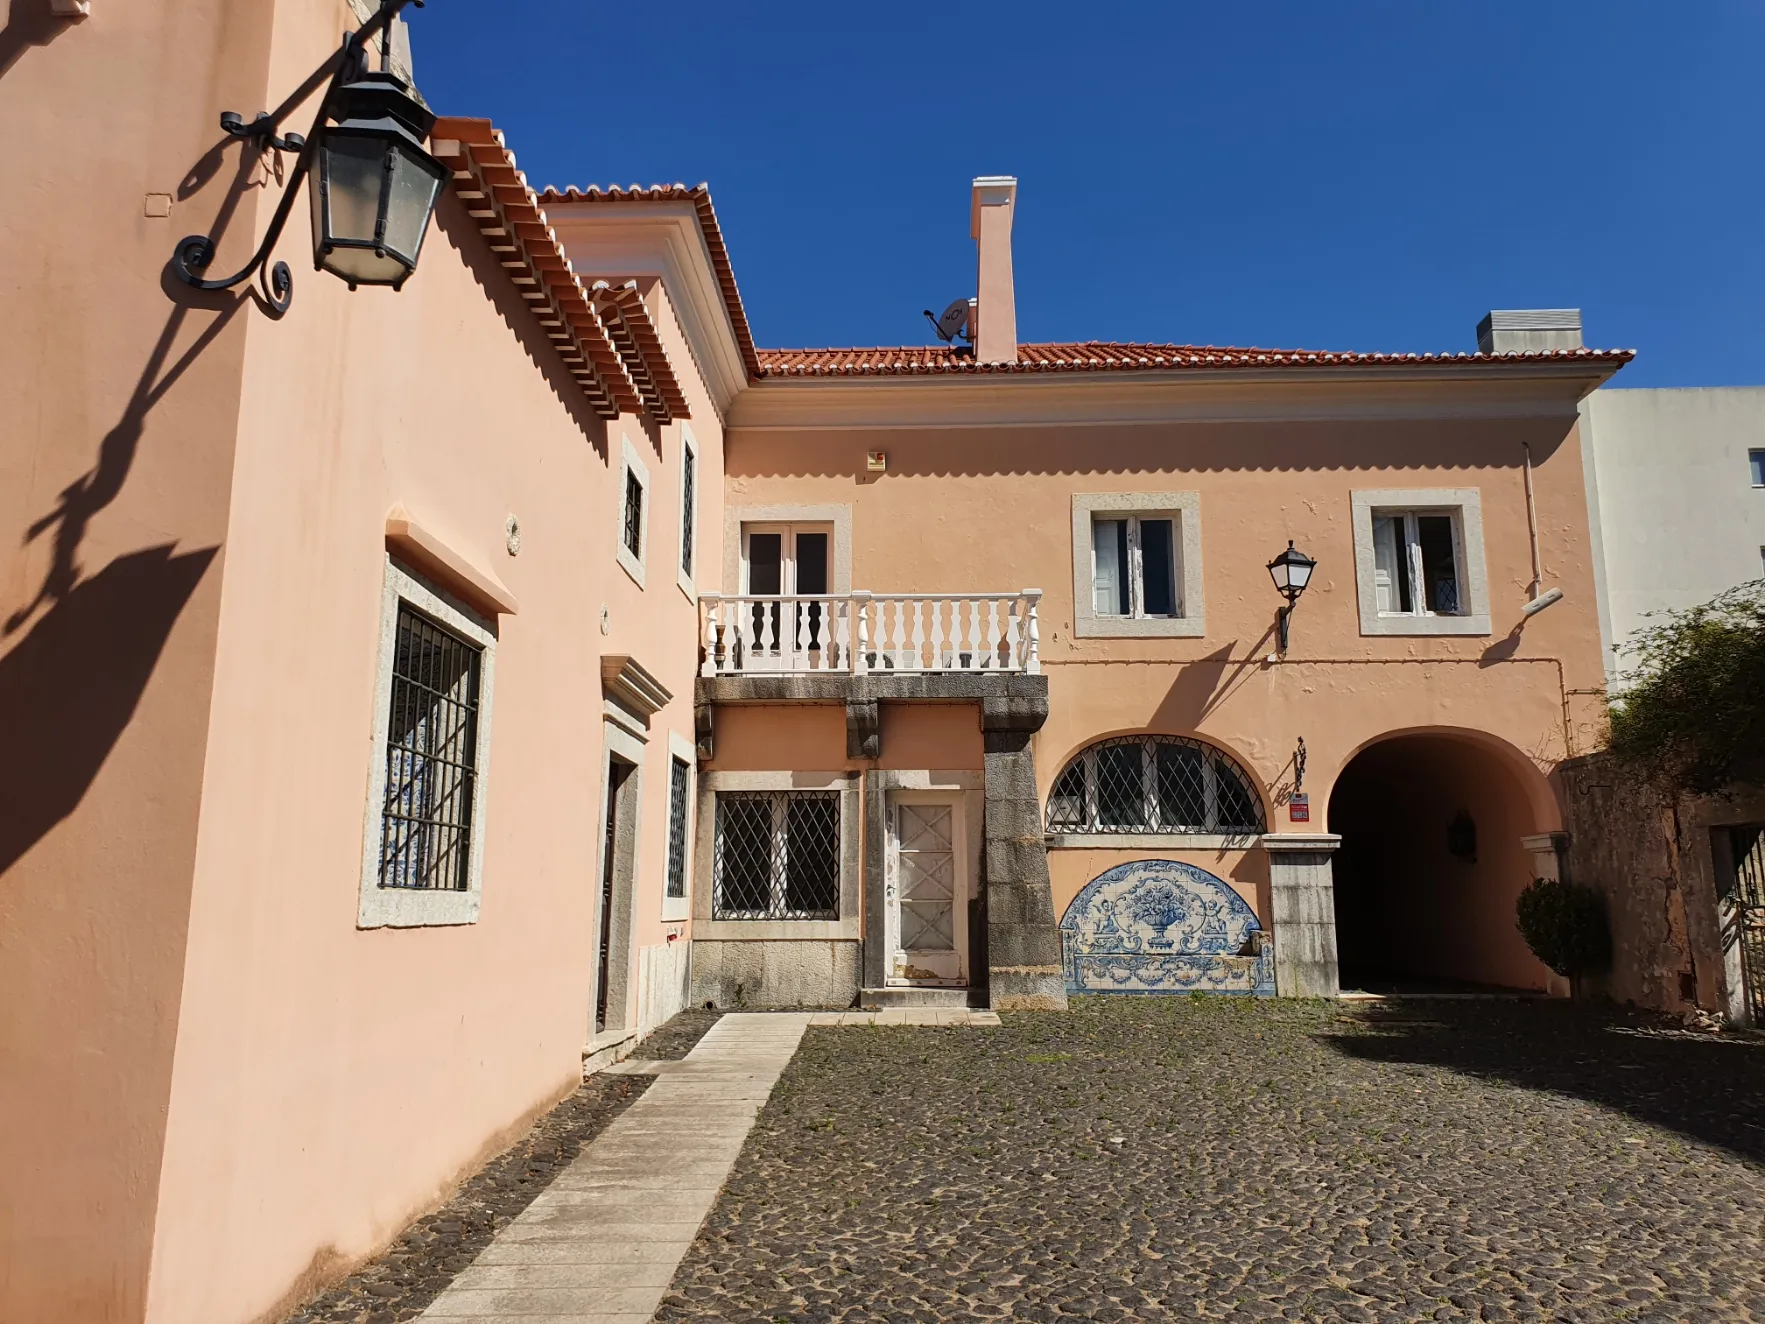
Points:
[(660, 239), (1424, 391)]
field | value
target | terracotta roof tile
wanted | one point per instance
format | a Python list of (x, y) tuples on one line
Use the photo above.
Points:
[(508, 215), (1102, 356), (700, 197)]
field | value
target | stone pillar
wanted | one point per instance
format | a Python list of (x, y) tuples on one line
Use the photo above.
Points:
[(1550, 852), (1547, 850), (1023, 937), (1304, 919)]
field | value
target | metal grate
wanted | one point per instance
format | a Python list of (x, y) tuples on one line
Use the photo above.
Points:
[(633, 531), (1747, 849), (688, 464), (431, 757), (677, 789), (777, 855), (1154, 784)]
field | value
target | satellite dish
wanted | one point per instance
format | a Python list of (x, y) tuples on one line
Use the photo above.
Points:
[(950, 323)]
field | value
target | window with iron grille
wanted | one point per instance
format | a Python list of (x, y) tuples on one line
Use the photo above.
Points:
[(1154, 784), (677, 804), (777, 855), (632, 533), (688, 464), (431, 757)]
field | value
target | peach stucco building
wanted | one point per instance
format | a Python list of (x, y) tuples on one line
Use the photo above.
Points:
[(416, 695)]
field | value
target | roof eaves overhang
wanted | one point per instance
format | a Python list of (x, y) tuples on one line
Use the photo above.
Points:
[(1442, 388)]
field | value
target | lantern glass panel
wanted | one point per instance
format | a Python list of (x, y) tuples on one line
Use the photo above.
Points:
[(355, 170), (362, 266), (1299, 574), (415, 182)]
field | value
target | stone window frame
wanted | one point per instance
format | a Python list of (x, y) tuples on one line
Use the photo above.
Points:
[(631, 465), (1466, 503), (1185, 509), (384, 907), (848, 926), (839, 516), (688, 522), (677, 908)]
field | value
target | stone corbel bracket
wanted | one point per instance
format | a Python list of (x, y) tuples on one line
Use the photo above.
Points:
[(633, 695)]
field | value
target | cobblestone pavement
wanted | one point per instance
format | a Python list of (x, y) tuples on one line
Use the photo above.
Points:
[(1235, 1159), (401, 1283)]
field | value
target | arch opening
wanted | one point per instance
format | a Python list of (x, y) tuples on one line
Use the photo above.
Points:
[(1429, 868)]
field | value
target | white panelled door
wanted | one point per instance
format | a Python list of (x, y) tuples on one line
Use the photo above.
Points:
[(926, 891)]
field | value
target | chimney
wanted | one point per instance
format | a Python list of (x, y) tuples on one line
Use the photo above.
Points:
[(1525, 330), (989, 221)]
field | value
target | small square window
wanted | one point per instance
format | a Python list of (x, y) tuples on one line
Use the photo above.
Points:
[(1757, 460), (425, 813), (777, 855), (678, 786), (1137, 564), (1417, 563), (633, 530), (634, 514)]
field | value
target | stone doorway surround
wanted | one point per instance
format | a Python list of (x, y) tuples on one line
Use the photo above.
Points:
[(1303, 913)]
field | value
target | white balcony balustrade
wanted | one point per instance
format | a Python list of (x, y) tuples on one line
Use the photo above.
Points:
[(746, 634)]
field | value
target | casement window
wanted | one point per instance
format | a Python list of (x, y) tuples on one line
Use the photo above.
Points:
[(1418, 561), (1154, 785), (634, 511), (1418, 568), (689, 511), (1137, 564), (1756, 459), (425, 822), (789, 560), (1134, 567), (679, 784), (776, 855)]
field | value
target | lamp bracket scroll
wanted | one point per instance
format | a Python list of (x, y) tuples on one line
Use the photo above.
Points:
[(195, 252)]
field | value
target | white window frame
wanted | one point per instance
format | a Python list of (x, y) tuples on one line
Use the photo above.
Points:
[(688, 521), (1183, 509), (736, 518), (848, 926), (1465, 505), (676, 908), (392, 907), (632, 465)]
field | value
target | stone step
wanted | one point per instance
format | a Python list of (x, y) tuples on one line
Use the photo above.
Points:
[(882, 999)]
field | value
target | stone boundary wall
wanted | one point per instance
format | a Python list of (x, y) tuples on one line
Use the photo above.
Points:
[(1662, 862)]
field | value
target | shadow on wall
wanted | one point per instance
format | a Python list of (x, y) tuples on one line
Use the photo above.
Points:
[(71, 684), (1711, 1090), (29, 23)]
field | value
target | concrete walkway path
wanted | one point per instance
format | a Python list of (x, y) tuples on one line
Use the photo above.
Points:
[(601, 1243)]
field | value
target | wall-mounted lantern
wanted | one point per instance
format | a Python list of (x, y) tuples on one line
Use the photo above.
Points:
[(1291, 571), (374, 187)]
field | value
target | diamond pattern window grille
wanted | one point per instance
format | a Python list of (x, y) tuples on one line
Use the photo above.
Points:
[(633, 530), (926, 859), (1154, 784), (777, 855), (677, 793), (688, 465), (431, 757)]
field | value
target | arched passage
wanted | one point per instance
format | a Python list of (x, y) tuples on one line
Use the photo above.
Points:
[(1430, 864)]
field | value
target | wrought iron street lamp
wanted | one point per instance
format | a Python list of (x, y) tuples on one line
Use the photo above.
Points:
[(374, 186), (1291, 571)]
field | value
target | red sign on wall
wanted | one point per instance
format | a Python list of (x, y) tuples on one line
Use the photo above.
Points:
[(1299, 808)]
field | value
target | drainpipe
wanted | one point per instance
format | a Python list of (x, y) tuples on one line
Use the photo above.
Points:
[(1532, 525)]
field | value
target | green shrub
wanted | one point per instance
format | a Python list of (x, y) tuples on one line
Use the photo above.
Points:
[(1690, 715), (1566, 926)]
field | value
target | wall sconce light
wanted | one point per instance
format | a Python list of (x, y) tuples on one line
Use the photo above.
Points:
[(374, 187), (1291, 571)]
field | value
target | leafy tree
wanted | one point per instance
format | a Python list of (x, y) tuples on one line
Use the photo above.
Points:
[(1691, 715)]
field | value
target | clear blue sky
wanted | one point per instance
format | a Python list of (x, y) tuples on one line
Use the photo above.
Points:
[(1369, 176)]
